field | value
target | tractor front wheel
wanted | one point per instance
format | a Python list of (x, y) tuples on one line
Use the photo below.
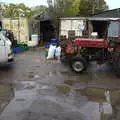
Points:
[(78, 64)]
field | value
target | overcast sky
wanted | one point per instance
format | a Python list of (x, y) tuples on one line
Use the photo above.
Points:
[(27, 2), (112, 3)]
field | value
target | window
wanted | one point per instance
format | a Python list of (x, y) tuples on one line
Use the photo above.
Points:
[(113, 29)]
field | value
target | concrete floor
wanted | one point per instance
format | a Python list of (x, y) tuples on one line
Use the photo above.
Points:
[(35, 89)]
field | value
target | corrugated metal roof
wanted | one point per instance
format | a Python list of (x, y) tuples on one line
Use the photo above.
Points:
[(115, 13), (92, 18), (42, 16), (74, 18), (103, 19), (103, 16)]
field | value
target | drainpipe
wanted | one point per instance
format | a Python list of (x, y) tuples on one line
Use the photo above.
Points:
[(19, 27)]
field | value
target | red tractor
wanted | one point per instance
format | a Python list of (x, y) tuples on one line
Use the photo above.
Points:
[(102, 44)]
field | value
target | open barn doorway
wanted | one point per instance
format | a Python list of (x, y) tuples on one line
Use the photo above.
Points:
[(0, 25), (46, 30), (101, 27), (46, 27)]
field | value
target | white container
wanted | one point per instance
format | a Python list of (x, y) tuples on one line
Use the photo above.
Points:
[(34, 39), (32, 43)]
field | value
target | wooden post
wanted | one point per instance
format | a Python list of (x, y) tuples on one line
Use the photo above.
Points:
[(90, 28)]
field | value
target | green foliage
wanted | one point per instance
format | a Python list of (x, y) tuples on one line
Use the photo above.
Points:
[(10, 11), (58, 8), (72, 8), (90, 7), (24, 10), (38, 9), (16, 10), (64, 8)]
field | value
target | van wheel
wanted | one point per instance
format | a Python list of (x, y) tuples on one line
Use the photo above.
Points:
[(78, 65)]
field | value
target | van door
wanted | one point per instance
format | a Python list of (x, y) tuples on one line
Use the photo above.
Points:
[(3, 55)]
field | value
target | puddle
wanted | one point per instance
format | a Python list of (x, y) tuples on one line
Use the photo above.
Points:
[(69, 82), (102, 104), (74, 82), (64, 72), (64, 89), (28, 76), (31, 75), (92, 93), (36, 76), (54, 73), (6, 95), (29, 85), (68, 73), (44, 87)]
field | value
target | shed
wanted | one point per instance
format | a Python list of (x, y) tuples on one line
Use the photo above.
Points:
[(44, 26), (19, 26)]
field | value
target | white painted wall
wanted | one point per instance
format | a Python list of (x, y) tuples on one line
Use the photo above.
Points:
[(71, 24), (22, 31)]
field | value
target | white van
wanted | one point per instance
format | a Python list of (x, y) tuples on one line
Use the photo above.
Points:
[(6, 54)]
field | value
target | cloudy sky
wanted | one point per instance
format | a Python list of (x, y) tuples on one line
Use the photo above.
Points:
[(112, 3)]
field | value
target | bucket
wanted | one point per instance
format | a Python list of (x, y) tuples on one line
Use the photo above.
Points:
[(54, 41), (34, 39), (46, 49)]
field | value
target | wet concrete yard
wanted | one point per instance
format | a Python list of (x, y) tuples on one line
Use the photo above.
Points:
[(35, 89)]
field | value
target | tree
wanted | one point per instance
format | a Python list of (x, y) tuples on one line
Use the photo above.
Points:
[(38, 9), (90, 7), (16, 10), (10, 11), (63, 8), (24, 10), (70, 8)]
